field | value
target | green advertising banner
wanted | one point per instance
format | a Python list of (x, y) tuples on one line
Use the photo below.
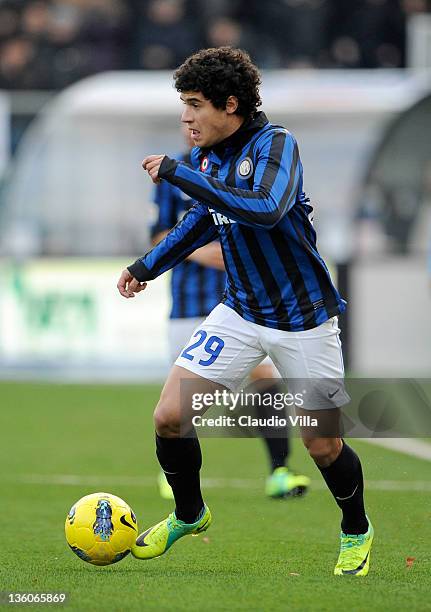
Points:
[(70, 309)]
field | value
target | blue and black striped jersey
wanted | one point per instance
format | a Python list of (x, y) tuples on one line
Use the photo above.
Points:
[(195, 289), (250, 194)]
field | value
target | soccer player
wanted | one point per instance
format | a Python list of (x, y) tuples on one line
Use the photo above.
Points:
[(247, 177), (197, 287)]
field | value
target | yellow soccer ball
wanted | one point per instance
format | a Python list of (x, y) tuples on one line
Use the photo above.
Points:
[(101, 528)]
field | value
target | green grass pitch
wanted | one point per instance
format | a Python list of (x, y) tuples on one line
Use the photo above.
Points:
[(61, 442)]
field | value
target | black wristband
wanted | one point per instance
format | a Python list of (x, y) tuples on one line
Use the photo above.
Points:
[(167, 167)]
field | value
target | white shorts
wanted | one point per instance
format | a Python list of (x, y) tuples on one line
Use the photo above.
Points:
[(181, 330), (225, 349)]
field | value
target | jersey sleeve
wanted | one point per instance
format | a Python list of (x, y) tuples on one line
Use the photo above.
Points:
[(276, 179), (195, 230), (165, 198)]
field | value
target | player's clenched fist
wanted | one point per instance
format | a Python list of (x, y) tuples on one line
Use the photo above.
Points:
[(128, 285), (152, 165)]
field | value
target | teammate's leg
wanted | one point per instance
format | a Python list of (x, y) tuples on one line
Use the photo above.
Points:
[(262, 380), (281, 482)]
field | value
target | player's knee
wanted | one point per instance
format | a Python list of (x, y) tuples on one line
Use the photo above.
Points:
[(323, 451), (165, 422)]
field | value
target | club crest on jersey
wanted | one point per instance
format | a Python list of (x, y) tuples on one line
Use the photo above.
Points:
[(220, 219), (245, 168), (204, 164)]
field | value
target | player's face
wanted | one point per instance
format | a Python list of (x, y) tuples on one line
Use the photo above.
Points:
[(208, 125)]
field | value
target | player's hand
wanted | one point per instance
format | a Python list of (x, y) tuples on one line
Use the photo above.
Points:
[(128, 285), (152, 165)]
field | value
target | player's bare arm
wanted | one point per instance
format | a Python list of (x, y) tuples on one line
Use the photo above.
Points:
[(195, 230), (209, 255)]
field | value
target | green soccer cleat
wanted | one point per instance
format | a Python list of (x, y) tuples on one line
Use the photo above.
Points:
[(158, 539), (354, 557), (165, 488), (283, 483)]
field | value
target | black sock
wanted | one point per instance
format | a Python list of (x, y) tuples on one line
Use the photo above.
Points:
[(346, 483), (278, 448), (181, 460)]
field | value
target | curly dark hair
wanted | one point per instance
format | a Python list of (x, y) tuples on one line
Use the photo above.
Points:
[(219, 73)]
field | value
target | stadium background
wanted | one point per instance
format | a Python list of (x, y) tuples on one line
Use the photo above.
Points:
[(85, 94)]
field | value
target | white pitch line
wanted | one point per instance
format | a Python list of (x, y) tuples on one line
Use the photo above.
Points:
[(407, 446), (209, 483)]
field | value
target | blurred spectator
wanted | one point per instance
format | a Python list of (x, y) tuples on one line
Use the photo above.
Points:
[(414, 6), (225, 31), (9, 20), (36, 19), (16, 58), (370, 35), (207, 11), (346, 52), (165, 34), (49, 44), (299, 28)]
